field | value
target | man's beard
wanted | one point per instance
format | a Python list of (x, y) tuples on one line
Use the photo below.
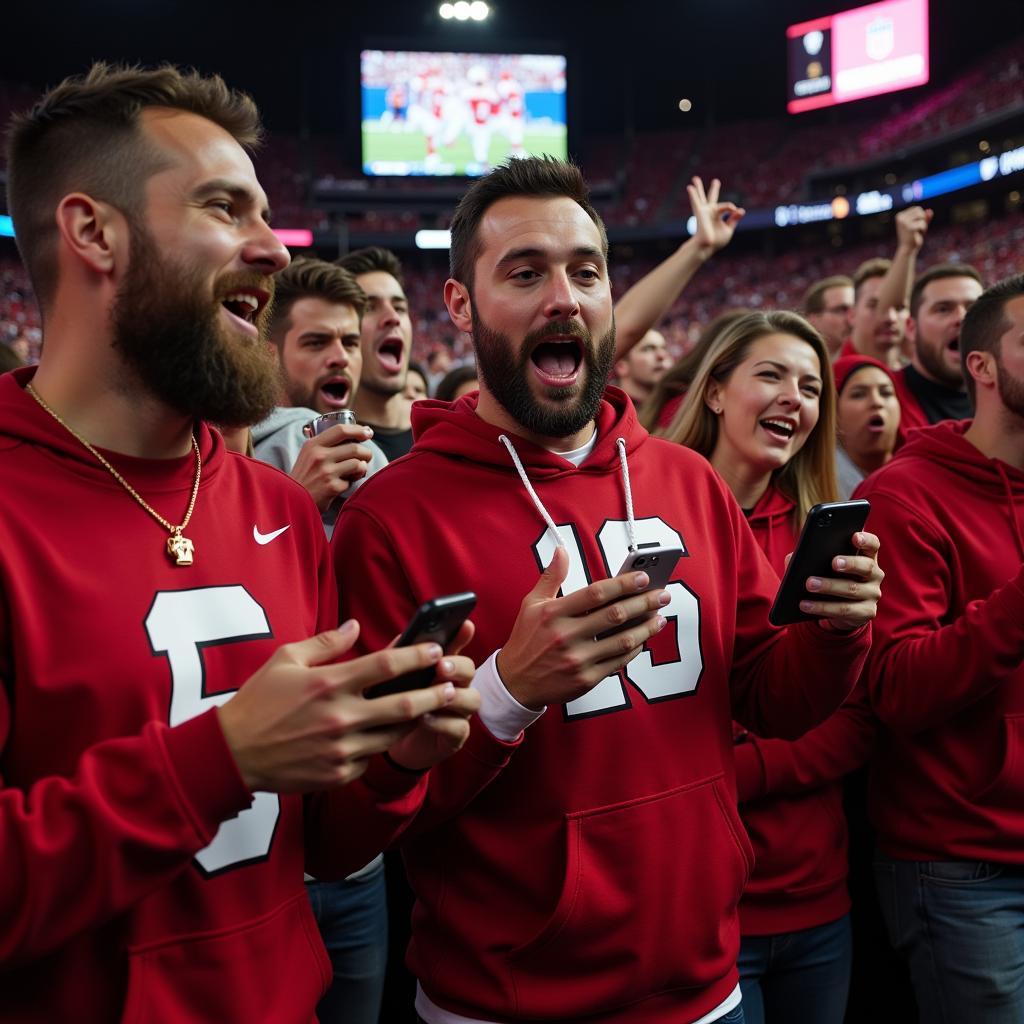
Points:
[(507, 377), (170, 335), (931, 358), (1011, 390)]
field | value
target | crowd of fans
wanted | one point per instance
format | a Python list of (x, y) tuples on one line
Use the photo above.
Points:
[(568, 864)]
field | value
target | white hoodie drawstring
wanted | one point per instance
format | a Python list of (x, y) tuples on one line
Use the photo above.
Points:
[(620, 443), (630, 525)]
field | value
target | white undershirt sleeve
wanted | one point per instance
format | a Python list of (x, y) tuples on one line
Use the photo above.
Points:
[(503, 716)]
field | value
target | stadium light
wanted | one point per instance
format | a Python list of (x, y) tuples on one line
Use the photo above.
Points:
[(461, 10), (478, 10), (431, 238), (447, 11)]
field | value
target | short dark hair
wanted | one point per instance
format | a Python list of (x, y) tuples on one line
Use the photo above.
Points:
[(877, 267), (84, 136), (372, 258), (985, 323), (453, 380), (542, 177), (938, 273), (311, 277), (814, 299)]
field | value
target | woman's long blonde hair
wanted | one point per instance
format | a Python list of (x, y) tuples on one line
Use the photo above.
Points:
[(810, 476)]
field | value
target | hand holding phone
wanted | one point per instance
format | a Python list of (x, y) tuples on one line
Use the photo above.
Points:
[(437, 621), (827, 533), (658, 563)]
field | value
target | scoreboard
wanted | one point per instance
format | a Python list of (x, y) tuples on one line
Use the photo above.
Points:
[(862, 52)]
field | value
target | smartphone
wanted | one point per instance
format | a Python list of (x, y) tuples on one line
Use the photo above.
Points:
[(328, 420), (828, 531), (435, 621), (658, 563)]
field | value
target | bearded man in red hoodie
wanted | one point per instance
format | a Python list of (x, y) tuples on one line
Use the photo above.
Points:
[(947, 680), (583, 858), (168, 686)]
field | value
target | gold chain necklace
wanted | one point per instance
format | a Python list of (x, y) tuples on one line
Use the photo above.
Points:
[(179, 548)]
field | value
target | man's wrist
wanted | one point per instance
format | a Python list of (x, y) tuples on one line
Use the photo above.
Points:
[(697, 251), (501, 713)]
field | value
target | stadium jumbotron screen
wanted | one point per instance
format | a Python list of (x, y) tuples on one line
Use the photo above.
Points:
[(854, 54), (453, 114)]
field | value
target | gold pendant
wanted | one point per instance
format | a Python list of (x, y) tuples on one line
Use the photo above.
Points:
[(180, 548)]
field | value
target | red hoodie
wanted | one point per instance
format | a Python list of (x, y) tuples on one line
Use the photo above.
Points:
[(912, 415), (790, 791), (947, 672), (141, 880), (591, 870)]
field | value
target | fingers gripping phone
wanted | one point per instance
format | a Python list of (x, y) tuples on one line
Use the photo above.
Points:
[(329, 419), (658, 563), (436, 621), (828, 531)]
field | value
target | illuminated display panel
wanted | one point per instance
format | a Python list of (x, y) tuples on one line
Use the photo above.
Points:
[(863, 52), (456, 114)]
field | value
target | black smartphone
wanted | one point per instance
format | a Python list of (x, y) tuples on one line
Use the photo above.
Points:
[(828, 531), (435, 621), (658, 563)]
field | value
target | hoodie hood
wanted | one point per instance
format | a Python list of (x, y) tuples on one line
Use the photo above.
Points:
[(771, 521), (945, 446), (283, 417), (772, 509), (24, 421), (456, 430), (453, 429)]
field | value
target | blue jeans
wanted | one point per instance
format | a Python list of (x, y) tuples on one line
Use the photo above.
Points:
[(353, 920), (798, 977), (960, 926)]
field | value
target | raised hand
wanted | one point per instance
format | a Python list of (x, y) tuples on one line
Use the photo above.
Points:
[(911, 227), (716, 222)]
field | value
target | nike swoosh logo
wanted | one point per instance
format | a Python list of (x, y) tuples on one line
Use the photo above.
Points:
[(266, 538)]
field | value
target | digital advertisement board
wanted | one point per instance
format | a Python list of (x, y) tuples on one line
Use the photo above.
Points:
[(455, 114), (858, 53)]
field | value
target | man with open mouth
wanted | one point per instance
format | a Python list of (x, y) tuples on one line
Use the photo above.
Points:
[(386, 346), (314, 331), (583, 857), (932, 387)]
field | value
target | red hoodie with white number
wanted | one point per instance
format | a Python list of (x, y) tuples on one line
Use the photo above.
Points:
[(141, 880), (790, 792), (591, 869), (947, 673)]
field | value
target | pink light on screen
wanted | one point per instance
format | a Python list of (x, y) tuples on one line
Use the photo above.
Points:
[(294, 238), (879, 48)]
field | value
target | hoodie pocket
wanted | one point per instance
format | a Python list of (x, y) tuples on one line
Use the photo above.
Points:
[(273, 970), (1007, 788), (648, 903)]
